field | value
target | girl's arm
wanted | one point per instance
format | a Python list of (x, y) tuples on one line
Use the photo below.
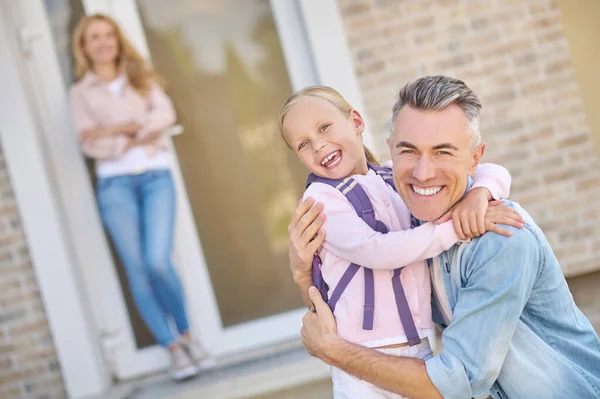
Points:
[(493, 177), (349, 237)]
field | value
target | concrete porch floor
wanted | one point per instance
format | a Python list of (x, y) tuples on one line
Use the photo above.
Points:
[(288, 374)]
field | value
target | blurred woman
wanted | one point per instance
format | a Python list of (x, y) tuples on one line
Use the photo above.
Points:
[(120, 113)]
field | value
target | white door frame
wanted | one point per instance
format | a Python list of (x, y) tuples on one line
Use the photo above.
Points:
[(56, 165), (74, 332)]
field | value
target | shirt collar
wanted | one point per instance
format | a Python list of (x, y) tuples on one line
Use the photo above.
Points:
[(91, 79)]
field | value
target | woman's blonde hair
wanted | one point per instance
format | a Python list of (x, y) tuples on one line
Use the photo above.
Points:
[(129, 61), (325, 93)]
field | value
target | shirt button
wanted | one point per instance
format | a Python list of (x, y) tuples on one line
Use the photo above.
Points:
[(411, 280), (417, 320), (388, 203)]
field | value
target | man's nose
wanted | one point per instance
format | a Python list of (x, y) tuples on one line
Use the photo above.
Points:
[(424, 169)]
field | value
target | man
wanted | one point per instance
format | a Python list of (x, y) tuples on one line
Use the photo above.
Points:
[(510, 324)]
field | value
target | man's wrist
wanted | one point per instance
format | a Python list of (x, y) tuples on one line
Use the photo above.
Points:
[(332, 347), (302, 277)]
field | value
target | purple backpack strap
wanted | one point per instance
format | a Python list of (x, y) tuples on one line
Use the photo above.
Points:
[(359, 199), (412, 336), (385, 173)]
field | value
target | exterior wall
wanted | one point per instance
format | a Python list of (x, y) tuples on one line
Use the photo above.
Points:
[(28, 364), (515, 55)]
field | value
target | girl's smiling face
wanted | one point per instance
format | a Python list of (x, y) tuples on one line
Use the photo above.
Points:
[(326, 140)]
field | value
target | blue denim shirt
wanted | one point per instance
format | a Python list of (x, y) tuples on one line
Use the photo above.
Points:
[(516, 331)]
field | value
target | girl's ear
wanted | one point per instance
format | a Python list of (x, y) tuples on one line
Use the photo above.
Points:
[(357, 121)]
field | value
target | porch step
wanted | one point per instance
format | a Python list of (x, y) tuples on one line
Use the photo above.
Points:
[(290, 374)]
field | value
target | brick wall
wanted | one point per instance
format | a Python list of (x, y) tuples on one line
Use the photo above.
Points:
[(514, 55), (28, 364)]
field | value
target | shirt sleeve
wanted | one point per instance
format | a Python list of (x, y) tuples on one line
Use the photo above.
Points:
[(498, 275), (493, 177), (100, 148), (160, 115), (350, 238)]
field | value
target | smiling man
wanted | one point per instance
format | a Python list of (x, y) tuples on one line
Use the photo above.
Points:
[(510, 324)]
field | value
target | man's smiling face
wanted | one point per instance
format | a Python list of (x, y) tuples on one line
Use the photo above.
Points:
[(433, 157)]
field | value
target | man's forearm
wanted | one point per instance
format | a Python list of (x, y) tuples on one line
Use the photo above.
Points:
[(403, 375), (304, 282)]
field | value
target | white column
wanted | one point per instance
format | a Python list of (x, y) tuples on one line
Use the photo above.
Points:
[(331, 54), (70, 322)]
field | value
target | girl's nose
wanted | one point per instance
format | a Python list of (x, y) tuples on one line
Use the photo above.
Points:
[(319, 145)]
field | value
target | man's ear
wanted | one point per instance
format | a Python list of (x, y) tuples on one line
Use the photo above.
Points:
[(357, 121), (476, 158)]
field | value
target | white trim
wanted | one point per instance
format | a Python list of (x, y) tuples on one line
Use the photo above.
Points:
[(75, 340), (294, 44), (327, 38)]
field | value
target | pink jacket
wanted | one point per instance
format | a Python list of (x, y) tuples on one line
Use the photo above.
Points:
[(350, 240), (93, 105)]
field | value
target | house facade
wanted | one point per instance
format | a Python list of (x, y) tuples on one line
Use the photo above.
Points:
[(67, 323)]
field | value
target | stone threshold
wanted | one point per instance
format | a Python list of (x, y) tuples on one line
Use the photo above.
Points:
[(281, 368)]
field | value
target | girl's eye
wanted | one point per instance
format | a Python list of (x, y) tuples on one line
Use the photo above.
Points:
[(302, 145), (323, 128)]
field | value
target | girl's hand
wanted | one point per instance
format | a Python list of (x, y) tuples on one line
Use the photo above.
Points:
[(502, 214), (468, 215)]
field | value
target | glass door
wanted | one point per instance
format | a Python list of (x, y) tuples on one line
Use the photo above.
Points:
[(225, 69), (228, 66)]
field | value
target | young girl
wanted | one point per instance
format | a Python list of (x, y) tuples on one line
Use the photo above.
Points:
[(326, 134)]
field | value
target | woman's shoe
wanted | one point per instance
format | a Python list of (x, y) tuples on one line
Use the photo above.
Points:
[(182, 366), (200, 357)]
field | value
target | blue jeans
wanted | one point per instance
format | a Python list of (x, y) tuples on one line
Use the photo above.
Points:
[(138, 212)]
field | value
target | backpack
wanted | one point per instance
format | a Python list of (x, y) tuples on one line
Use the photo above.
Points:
[(364, 209)]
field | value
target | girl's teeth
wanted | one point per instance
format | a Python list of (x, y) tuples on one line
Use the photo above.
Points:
[(329, 158)]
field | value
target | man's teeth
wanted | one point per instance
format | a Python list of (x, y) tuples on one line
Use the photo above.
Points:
[(329, 158), (426, 191)]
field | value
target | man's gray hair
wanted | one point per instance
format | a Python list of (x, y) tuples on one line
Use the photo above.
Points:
[(435, 93)]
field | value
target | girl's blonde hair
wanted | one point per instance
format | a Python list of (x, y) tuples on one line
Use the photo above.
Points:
[(129, 61), (327, 94)]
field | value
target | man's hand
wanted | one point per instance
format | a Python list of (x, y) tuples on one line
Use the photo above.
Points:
[(319, 331), (405, 376), (305, 237)]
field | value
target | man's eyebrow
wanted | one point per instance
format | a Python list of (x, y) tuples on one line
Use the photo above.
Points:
[(406, 144), (445, 146)]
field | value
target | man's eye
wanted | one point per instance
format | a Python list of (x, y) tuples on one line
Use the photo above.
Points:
[(302, 145), (443, 153), (323, 128), (407, 152)]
